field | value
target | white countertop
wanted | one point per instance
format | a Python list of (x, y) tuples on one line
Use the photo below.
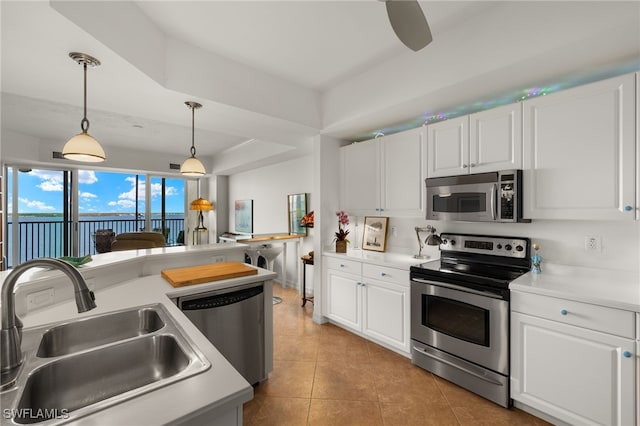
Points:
[(392, 259), (220, 387), (605, 287)]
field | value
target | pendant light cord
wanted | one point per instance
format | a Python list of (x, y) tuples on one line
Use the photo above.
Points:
[(193, 132), (84, 124)]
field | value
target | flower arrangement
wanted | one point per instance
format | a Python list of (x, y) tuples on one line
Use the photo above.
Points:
[(343, 220)]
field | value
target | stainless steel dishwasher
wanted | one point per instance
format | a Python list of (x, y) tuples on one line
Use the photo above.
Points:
[(233, 320)]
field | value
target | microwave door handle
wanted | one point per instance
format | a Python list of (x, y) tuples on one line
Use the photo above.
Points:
[(494, 190)]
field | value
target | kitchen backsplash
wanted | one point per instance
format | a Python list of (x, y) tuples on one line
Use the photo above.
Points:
[(563, 242)]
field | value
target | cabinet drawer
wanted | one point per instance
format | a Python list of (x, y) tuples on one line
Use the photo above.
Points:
[(344, 265), (386, 274), (594, 317)]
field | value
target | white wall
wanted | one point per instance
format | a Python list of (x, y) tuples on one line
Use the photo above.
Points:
[(269, 187), (562, 240)]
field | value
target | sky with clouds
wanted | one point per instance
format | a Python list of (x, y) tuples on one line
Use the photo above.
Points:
[(40, 191)]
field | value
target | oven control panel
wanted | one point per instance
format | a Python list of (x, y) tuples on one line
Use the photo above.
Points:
[(495, 246)]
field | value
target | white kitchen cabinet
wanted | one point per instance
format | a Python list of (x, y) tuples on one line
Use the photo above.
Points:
[(374, 303), (384, 176), (344, 301), (482, 142), (577, 374), (448, 147), (579, 152)]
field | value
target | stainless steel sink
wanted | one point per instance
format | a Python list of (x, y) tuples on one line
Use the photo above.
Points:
[(82, 334), (75, 368)]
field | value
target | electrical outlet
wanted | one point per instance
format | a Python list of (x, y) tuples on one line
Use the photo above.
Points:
[(394, 232), (217, 259), (593, 243)]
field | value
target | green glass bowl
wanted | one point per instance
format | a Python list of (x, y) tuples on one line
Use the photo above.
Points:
[(77, 261)]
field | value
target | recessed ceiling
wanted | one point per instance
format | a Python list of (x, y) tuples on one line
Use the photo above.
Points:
[(283, 72)]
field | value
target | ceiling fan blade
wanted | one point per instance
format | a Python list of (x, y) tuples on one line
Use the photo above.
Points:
[(409, 24)]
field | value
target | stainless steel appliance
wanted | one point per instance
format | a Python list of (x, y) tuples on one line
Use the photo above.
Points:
[(460, 311), (483, 197), (233, 320)]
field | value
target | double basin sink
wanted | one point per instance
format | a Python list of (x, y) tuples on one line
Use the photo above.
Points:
[(74, 368)]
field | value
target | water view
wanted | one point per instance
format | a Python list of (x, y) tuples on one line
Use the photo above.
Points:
[(42, 234)]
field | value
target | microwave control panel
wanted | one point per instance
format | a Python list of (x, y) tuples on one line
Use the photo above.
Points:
[(507, 196)]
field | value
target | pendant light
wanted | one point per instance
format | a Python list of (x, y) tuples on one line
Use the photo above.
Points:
[(192, 166), (83, 147)]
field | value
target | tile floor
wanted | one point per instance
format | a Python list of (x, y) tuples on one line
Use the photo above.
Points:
[(324, 375)]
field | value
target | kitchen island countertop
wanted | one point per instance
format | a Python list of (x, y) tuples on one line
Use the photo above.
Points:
[(199, 399)]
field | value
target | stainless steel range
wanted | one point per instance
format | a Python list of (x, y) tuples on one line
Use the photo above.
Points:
[(460, 311)]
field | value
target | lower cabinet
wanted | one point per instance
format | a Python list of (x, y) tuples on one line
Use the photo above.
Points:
[(577, 374), (369, 299)]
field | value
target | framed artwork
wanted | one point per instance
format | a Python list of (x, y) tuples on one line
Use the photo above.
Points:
[(374, 236), (297, 204), (244, 216)]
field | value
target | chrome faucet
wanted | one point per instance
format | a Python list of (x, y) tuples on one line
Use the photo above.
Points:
[(11, 333)]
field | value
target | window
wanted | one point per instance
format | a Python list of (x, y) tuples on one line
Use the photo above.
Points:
[(53, 220)]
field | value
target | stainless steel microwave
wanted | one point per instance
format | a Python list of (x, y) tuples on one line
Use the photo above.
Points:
[(482, 197)]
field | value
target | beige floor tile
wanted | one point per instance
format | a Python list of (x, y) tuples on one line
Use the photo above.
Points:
[(342, 348), (408, 385), (275, 411), (343, 413), (344, 381), (418, 414), (295, 348), (293, 379)]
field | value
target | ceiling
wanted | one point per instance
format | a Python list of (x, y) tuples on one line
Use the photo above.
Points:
[(272, 75)]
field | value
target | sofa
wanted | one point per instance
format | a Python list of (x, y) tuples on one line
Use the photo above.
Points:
[(138, 240)]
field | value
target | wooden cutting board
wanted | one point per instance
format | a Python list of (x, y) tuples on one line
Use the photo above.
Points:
[(181, 277)]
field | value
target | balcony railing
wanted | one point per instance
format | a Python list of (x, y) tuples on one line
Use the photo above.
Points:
[(45, 238)]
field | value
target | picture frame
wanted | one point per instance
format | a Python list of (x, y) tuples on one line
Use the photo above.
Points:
[(297, 205), (244, 216), (374, 236)]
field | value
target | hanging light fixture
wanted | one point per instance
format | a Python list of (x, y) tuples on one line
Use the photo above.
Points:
[(83, 147), (192, 166)]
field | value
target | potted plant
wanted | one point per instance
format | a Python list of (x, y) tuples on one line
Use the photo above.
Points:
[(341, 235)]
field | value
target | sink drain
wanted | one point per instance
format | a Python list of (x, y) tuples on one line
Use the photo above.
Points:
[(277, 300)]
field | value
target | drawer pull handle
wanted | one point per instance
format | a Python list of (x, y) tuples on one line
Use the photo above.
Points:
[(627, 354), (341, 265), (628, 208), (564, 312), (383, 274)]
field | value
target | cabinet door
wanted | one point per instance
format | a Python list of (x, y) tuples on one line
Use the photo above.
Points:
[(579, 152), (448, 147), (574, 374), (495, 139), (343, 299), (360, 178), (403, 174), (386, 313)]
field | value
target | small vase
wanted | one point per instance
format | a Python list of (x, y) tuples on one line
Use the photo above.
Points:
[(341, 246), (536, 260)]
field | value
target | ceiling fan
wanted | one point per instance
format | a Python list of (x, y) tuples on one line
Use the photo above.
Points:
[(409, 24)]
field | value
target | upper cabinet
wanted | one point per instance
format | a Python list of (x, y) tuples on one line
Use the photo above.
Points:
[(481, 142), (579, 152), (384, 176)]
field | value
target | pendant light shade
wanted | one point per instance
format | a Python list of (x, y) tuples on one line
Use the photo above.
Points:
[(192, 166), (83, 146)]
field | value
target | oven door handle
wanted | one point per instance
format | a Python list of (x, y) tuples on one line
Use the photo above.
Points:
[(449, 363), (459, 288)]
